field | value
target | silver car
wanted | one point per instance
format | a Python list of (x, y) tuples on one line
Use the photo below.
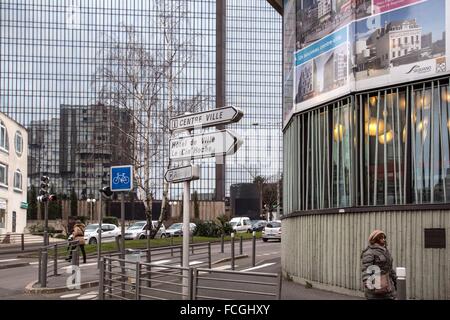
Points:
[(109, 233), (138, 230), (272, 231), (176, 229)]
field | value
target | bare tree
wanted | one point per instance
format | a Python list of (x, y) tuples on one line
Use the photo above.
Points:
[(144, 81)]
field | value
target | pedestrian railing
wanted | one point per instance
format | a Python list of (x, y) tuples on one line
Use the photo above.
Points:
[(50, 259), (126, 279), (20, 241), (235, 285)]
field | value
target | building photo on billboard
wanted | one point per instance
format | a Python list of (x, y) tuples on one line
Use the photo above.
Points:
[(404, 44)]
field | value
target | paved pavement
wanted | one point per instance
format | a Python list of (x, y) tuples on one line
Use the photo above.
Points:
[(13, 281)]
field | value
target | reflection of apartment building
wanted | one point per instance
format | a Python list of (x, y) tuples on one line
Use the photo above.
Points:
[(306, 83), (44, 151), (335, 71), (396, 39), (324, 10), (92, 138)]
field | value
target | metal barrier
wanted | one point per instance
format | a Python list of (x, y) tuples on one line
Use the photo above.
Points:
[(124, 279), (142, 281), (18, 242), (210, 284), (45, 269)]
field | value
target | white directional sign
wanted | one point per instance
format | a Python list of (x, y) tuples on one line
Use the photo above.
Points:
[(207, 145), (182, 174), (206, 119)]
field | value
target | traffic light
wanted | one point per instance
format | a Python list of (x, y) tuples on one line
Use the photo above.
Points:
[(106, 191), (52, 197), (43, 192)]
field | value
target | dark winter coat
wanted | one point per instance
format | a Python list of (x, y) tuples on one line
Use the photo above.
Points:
[(376, 255)]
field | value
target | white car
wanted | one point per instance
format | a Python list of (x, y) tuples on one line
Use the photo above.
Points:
[(138, 230), (109, 233), (176, 229), (241, 224), (272, 231)]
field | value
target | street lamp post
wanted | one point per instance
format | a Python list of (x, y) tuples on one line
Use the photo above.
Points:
[(91, 202)]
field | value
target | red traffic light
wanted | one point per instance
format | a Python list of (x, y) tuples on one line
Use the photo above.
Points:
[(52, 197)]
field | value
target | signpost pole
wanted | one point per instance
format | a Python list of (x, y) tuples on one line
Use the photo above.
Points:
[(122, 222), (99, 242), (186, 217)]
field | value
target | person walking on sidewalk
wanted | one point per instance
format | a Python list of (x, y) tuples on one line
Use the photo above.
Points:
[(78, 235), (378, 275)]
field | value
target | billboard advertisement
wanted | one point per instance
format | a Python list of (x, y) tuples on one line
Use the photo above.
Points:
[(347, 45)]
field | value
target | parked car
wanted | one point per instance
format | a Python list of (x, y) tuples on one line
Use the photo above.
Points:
[(176, 229), (241, 224), (272, 231), (258, 225), (138, 230), (109, 233)]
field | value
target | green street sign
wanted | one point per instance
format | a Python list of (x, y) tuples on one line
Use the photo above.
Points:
[(24, 205)]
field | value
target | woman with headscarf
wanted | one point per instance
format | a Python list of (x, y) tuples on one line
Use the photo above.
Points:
[(378, 275)]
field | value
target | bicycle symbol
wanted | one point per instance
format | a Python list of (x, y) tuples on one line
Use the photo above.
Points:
[(121, 178)]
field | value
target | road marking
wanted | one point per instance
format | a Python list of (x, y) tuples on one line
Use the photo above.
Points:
[(258, 267), (8, 260), (72, 295), (87, 297), (82, 265), (221, 268)]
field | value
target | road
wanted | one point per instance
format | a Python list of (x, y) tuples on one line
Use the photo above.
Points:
[(13, 281)]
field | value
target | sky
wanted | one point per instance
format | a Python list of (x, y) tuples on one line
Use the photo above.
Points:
[(430, 15)]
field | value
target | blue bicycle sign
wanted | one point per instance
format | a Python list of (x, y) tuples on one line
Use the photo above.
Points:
[(121, 178)]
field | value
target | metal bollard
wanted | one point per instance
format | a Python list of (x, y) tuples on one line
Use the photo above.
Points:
[(44, 269), (209, 255), (171, 246), (401, 284), (118, 244), (55, 260), (192, 242), (240, 247), (222, 239), (254, 249), (101, 284), (138, 281), (75, 257), (232, 251), (40, 266), (110, 288), (22, 241)]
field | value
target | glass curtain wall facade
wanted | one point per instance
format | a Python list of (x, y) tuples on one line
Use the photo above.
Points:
[(253, 83), (378, 148), (63, 66)]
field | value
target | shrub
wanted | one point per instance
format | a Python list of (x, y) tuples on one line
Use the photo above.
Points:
[(207, 229), (112, 220), (60, 236), (224, 225), (39, 229)]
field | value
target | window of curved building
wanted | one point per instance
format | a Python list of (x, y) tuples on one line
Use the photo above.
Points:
[(4, 145), (17, 181), (386, 147), (18, 143)]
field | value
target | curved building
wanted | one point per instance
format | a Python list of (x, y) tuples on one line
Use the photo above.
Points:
[(366, 140)]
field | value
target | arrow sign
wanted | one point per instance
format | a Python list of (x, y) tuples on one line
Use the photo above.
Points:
[(205, 119), (182, 174), (207, 145)]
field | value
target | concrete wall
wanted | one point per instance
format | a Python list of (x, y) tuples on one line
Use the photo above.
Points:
[(208, 210), (324, 249)]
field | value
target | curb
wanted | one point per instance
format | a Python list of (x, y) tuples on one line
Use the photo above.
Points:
[(229, 259), (29, 288), (16, 265)]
